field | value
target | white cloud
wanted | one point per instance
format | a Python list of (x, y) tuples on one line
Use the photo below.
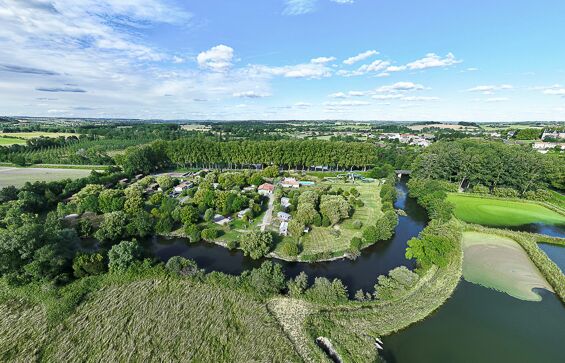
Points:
[(555, 90), (250, 94), (419, 98), (356, 93), (322, 60), (312, 70), (338, 95), (299, 7), (375, 66), (431, 60), (218, 58), (497, 99), (343, 1), (399, 86), (347, 104), (360, 57), (388, 97), (302, 105), (490, 89)]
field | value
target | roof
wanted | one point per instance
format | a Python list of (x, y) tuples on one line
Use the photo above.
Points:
[(283, 215), (267, 186)]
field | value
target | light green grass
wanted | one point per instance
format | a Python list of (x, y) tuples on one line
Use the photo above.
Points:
[(500, 212), (159, 319), (19, 176), (31, 135), (7, 141), (321, 240)]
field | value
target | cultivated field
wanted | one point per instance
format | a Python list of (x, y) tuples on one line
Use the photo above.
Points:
[(161, 319), (19, 176), (31, 135), (500, 212), (441, 126)]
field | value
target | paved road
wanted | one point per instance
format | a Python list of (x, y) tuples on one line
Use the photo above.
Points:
[(268, 217)]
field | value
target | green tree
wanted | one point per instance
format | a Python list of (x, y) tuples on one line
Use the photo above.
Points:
[(256, 244), (111, 200), (124, 255), (86, 264), (113, 227)]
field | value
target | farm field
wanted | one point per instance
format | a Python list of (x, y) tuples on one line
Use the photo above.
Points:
[(180, 320), (19, 176), (323, 239), (7, 141), (499, 212), (31, 135)]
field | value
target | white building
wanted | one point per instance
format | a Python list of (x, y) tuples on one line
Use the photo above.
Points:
[(290, 183), (544, 147), (283, 229), (242, 213), (183, 186), (285, 202), (283, 216)]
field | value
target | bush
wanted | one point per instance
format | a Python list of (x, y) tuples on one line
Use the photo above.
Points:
[(505, 192), (124, 255), (355, 244), (324, 291), (181, 266), (85, 264), (231, 244), (357, 224), (399, 281), (298, 285), (480, 189), (256, 244), (209, 234), (192, 232), (290, 248)]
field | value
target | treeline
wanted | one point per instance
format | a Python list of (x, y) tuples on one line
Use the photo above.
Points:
[(208, 153), (490, 164)]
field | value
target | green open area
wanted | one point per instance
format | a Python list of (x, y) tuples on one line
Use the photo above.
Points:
[(19, 176), (502, 264), (149, 319), (500, 212), (31, 135), (336, 239), (7, 141)]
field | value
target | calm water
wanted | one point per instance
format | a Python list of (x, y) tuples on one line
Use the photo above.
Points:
[(361, 273), (556, 253), (481, 325), (547, 229)]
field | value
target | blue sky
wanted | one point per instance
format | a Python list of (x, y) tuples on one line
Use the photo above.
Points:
[(284, 59)]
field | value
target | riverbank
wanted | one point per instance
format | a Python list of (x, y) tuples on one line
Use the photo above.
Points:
[(352, 327)]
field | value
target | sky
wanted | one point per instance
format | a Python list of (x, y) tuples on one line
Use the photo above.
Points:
[(405, 60)]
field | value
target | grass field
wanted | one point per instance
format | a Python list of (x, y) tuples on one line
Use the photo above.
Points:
[(321, 239), (31, 135), (19, 176), (7, 141), (499, 212), (156, 319)]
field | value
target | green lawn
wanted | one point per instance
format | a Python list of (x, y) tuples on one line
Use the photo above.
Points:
[(321, 239), (7, 141), (500, 212), (19, 176)]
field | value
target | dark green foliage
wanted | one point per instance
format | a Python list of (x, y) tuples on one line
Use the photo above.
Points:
[(192, 232), (431, 195), (434, 244), (399, 281), (290, 248), (124, 255), (298, 285), (86, 264), (256, 244), (356, 244), (267, 280), (181, 266), (324, 291), (209, 234), (113, 227)]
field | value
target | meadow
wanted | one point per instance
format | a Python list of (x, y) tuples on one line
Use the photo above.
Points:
[(19, 176), (180, 320), (7, 141), (500, 212), (31, 135)]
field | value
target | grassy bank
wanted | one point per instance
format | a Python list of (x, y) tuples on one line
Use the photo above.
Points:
[(142, 319), (352, 327), (501, 212), (19, 176)]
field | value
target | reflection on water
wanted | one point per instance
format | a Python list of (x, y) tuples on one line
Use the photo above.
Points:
[(555, 253), (481, 325), (546, 229)]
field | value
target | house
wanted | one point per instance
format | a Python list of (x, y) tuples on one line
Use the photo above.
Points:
[(283, 216), (285, 202), (266, 189), (183, 186), (283, 229), (221, 220), (152, 188), (290, 183), (553, 135), (123, 181), (242, 213), (544, 147)]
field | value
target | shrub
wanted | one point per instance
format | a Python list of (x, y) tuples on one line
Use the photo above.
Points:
[(327, 292), (209, 234), (480, 189), (399, 281), (505, 192), (290, 248), (256, 244), (357, 224), (181, 266), (355, 244), (298, 285), (231, 244), (124, 255), (192, 232), (85, 264)]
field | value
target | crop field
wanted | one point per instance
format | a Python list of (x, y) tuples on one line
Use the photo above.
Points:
[(180, 320), (323, 239), (19, 176), (31, 135), (7, 141), (441, 126), (499, 212)]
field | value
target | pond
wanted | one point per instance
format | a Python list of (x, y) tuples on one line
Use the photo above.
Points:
[(356, 274), (482, 325), (556, 253)]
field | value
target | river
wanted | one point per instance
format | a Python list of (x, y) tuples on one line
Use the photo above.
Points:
[(476, 324)]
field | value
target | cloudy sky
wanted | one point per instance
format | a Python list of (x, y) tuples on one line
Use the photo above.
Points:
[(284, 59)]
